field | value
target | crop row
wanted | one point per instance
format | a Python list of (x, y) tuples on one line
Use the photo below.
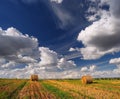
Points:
[(10, 88), (100, 89)]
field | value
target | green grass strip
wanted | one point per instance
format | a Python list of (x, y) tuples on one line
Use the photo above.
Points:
[(57, 92)]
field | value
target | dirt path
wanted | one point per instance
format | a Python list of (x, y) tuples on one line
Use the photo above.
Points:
[(33, 90)]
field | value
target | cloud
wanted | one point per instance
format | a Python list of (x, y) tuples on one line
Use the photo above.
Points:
[(57, 1), (36, 1), (115, 61), (84, 69), (72, 49), (21, 56), (66, 65), (65, 72), (63, 17), (25, 59), (88, 69), (50, 60), (9, 65), (17, 48), (115, 8), (93, 12), (73, 53), (14, 43), (92, 68), (2, 61), (47, 56), (102, 36)]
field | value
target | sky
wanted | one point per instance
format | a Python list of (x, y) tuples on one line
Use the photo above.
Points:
[(59, 38)]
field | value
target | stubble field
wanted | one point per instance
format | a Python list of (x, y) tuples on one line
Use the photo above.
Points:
[(59, 89)]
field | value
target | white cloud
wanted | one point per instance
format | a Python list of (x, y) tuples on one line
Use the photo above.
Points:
[(25, 59), (102, 37), (65, 65), (16, 49), (95, 14), (84, 69), (117, 71), (90, 53), (92, 68), (49, 59), (57, 1), (115, 61), (72, 49), (21, 62), (66, 73), (9, 65), (88, 69), (47, 56)]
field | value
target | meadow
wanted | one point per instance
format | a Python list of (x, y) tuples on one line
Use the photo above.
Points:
[(59, 89)]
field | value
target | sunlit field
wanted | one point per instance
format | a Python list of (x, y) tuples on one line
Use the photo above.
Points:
[(59, 89)]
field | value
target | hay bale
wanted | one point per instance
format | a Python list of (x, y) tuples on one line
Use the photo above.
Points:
[(87, 79), (34, 77)]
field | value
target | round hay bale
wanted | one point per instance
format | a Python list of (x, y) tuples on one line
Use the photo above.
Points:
[(87, 79), (34, 77)]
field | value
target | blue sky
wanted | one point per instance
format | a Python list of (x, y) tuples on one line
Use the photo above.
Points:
[(59, 38)]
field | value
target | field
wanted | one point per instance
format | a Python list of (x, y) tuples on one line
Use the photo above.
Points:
[(59, 89)]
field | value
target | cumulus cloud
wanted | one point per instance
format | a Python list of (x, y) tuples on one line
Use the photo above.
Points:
[(48, 64), (102, 36), (65, 72), (47, 56), (74, 73), (50, 60), (17, 48), (21, 56), (14, 43)]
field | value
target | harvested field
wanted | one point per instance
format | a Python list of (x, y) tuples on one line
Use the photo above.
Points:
[(33, 90), (59, 89)]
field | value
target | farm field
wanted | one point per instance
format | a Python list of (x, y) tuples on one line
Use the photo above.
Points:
[(59, 89)]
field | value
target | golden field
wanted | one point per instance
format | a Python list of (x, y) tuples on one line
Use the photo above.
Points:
[(59, 89)]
